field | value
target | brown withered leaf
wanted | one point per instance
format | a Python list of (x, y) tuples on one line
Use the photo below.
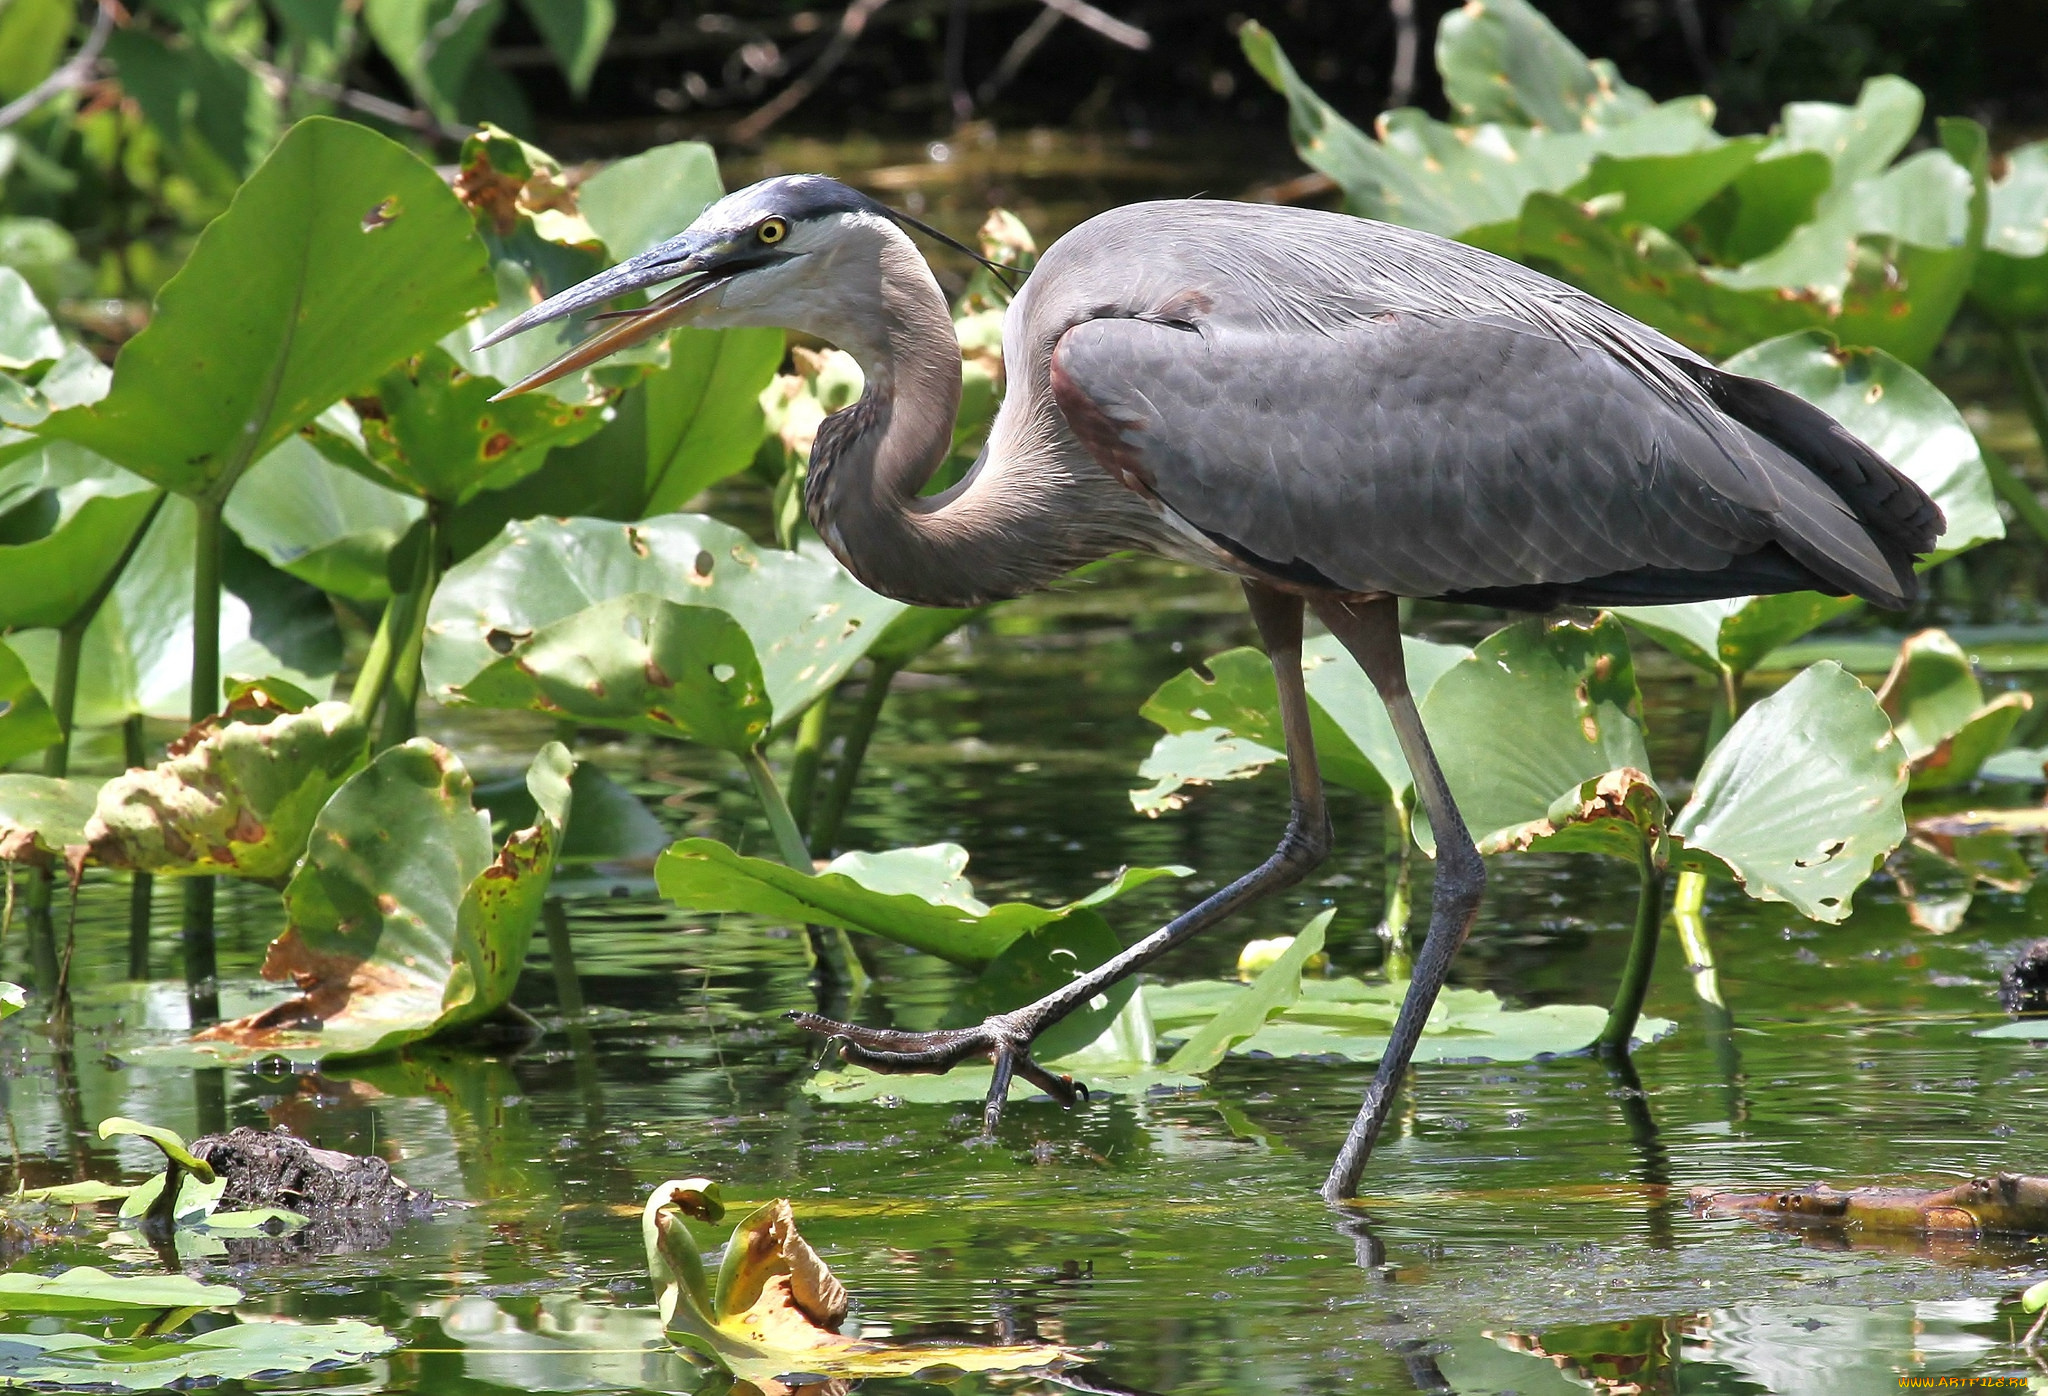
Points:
[(2008, 1203)]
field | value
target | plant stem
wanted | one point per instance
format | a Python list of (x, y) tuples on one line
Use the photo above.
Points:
[(1642, 958), (2007, 484), (803, 761), (408, 638), (832, 953), (1686, 906), (376, 670), (825, 819), (1393, 928), (64, 696), (2027, 378), (202, 993), (562, 958), (140, 885)]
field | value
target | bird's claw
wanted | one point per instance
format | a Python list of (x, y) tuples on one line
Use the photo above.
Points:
[(1000, 1040)]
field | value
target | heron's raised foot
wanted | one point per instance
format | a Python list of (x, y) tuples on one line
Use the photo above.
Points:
[(1004, 1041)]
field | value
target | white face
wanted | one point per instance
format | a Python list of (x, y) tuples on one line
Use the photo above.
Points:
[(827, 277)]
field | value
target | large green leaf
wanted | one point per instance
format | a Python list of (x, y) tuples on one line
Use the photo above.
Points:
[(434, 44), (1226, 726), (138, 650), (85, 1290), (1802, 799), (638, 663), (918, 897), (321, 522), (342, 254), (1538, 710), (1503, 61), (237, 796), (26, 723), (66, 519), (576, 31), (1937, 708), (648, 198), (808, 619), (28, 336), (246, 1351), (432, 431), (2011, 280), (402, 924), (32, 35), (41, 818)]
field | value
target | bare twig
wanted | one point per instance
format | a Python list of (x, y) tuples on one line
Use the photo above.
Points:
[(1018, 54), (76, 72), (1405, 43), (786, 101), (1695, 38), (1108, 25)]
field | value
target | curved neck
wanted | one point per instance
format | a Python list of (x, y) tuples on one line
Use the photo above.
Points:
[(974, 543)]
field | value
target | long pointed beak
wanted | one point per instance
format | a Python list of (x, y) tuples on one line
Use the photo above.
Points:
[(694, 256)]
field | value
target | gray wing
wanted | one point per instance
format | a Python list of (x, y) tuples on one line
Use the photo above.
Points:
[(1530, 449)]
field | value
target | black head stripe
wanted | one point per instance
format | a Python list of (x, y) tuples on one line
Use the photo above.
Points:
[(801, 197), (1003, 272)]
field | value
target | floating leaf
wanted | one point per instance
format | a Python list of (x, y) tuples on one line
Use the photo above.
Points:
[(1044, 960), (1226, 725), (402, 925), (237, 794), (777, 1307), (918, 897), (1802, 799), (85, 1290), (1246, 1014), (808, 619), (40, 818), (260, 1350), (343, 253)]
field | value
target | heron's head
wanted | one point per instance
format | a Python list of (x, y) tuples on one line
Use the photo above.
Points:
[(790, 251)]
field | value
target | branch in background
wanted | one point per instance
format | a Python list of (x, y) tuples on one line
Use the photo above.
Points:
[(368, 103), (1402, 88), (1108, 25), (1019, 53), (786, 101), (1695, 39), (75, 73)]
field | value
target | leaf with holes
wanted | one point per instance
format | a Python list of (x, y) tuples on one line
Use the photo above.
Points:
[(237, 795), (1226, 726), (401, 923), (808, 620), (1803, 798), (342, 254)]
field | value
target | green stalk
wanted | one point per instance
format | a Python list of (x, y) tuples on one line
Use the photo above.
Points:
[(140, 885), (409, 634), (2008, 486), (2026, 377), (562, 958), (803, 761), (201, 991), (1642, 958), (832, 953), (42, 890), (1393, 928), (1686, 908), (826, 818), (376, 670)]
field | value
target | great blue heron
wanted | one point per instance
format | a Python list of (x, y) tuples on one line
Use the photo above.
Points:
[(1336, 411)]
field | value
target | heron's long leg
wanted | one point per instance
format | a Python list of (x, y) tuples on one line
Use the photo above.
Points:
[(1371, 631), (1006, 1038)]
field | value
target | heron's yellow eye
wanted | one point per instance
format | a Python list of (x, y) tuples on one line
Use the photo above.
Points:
[(773, 231)]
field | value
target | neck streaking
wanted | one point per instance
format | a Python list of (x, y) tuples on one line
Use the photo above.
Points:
[(1000, 532)]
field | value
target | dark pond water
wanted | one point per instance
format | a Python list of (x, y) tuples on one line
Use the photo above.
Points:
[(1525, 1227)]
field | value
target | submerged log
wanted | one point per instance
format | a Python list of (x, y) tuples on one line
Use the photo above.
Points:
[(351, 1203), (2008, 1203)]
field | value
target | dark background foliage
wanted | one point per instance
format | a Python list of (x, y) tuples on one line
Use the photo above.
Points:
[(694, 68)]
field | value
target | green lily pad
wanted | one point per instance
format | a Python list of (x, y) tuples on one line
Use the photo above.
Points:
[(1539, 709), (1246, 1014), (237, 796), (247, 1351), (26, 723), (402, 924), (85, 1290), (919, 897), (41, 818), (28, 336), (321, 522), (807, 618), (343, 253), (2011, 279), (1937, 708), (1041, 961), (1350, 1019), (1802, 800), (1226, 726)]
